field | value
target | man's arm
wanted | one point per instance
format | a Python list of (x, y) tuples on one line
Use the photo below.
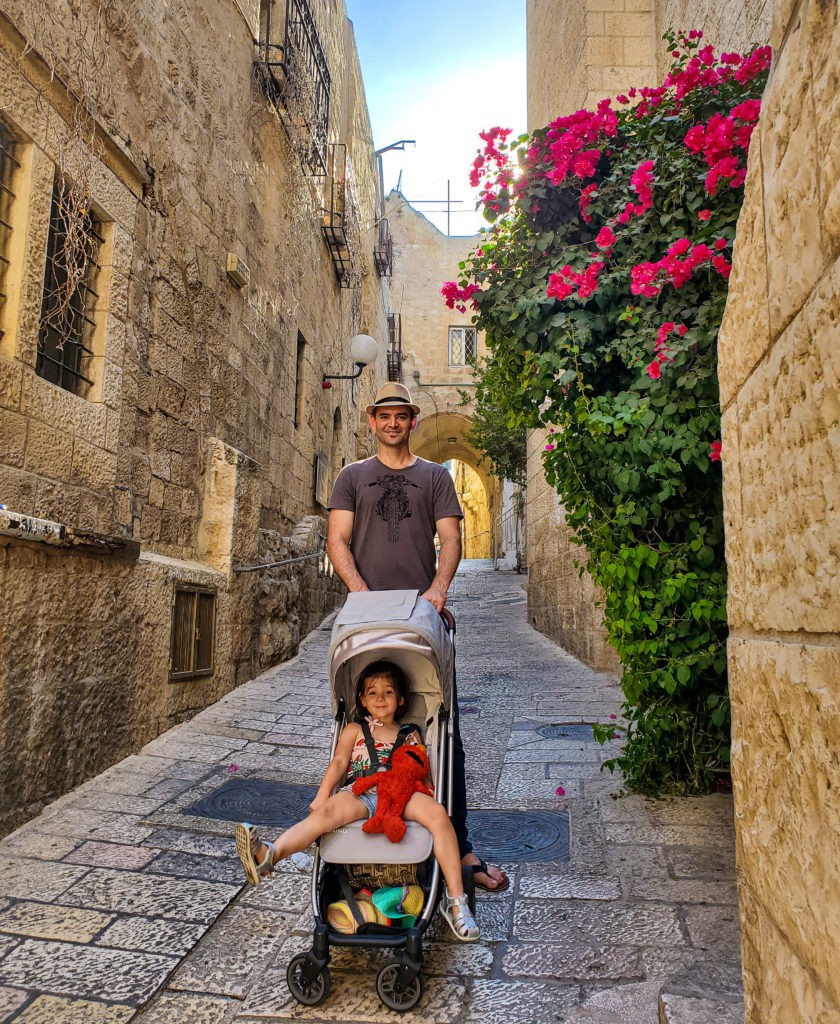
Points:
[(339, 533), (449, 533)]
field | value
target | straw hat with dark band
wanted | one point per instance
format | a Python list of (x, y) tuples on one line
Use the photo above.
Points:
[(390, 395)]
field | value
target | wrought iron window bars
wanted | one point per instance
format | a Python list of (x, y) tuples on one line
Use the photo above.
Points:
[(66, 321), (9, 164), (296, 79), (383, 251), (394, 354)]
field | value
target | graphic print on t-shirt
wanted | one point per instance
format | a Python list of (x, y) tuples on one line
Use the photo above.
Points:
[(392, 507)]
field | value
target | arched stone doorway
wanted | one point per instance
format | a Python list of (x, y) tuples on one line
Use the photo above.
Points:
[(442, 438)]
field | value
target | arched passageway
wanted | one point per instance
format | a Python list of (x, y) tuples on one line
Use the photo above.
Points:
[(442, 438)]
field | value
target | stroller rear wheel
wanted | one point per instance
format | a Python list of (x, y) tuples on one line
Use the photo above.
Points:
[(394, 995), (310, 993)]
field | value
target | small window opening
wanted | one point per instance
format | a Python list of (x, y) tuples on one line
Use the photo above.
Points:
[(299, 372), (193, 632), (9, 165), (462, 345), (70, 296)]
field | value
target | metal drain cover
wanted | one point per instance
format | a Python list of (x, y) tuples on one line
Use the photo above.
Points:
[(567, 731), (520, 836), (256, 800)]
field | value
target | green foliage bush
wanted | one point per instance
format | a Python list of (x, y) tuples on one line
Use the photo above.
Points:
[(601, 286)]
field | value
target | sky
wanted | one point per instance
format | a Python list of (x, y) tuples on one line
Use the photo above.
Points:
[(440, 72)]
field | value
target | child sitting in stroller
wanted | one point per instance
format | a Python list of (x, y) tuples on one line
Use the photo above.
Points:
[(382, 696)]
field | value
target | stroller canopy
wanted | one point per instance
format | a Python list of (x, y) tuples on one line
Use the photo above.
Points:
[(398, 626)]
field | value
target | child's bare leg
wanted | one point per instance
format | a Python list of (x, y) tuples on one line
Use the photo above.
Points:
[(431, 814), (340, 809)]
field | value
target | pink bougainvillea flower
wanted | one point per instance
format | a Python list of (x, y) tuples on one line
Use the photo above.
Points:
[(586, 199), (233, 768), (704, 214), (560, 791), (606, 239), (549, 447), (654, 370), (714, 451), (612, 717)]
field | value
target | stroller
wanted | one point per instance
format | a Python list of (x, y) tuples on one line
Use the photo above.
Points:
[(399, 626)]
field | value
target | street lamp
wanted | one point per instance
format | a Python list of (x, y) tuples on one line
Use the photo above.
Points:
[(363, 350)]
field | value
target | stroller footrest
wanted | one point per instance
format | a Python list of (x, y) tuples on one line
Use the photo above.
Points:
[(350, 845)]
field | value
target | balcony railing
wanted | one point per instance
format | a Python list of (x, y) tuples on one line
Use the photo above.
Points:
[(394, 347), (341, 215), (296, 79), (383, 251)]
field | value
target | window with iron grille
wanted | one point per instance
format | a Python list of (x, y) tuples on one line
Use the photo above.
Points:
[(296, 78), (70, 297), (462, 345), (9, 164), (193, 632)]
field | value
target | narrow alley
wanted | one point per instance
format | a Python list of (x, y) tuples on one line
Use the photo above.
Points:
[(119, 903)]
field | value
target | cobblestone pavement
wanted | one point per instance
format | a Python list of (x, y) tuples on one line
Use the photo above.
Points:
[(116, 904)]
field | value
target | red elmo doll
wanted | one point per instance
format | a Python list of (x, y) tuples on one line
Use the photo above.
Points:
[(409, 766)]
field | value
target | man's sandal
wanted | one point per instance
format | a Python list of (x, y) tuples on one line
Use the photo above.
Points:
[(248, 843), (482, 869), (463, 924)]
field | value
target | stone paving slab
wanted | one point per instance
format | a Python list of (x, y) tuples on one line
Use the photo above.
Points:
[(110, 855), (233, 952), (187, 1008), (579, 887), (11, 999), (63, 968), (648, 892), (58, 1010), (685, 1010), (133, 893), (47, 881), (151, 935), (635, 924), (572, 961), (52, 921)]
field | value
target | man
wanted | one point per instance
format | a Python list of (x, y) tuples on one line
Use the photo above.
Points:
[(384, 513)]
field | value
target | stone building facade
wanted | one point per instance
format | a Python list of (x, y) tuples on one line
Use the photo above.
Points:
[(438, 345), (780, 396), (780, 391), (186, 436)]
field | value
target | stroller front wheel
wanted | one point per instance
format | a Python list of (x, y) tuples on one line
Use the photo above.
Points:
[(310, 993), (396, 997)]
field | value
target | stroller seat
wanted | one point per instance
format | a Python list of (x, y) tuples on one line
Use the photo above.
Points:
[(350, 845)]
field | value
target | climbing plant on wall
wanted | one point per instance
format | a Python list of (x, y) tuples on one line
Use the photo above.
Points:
[(601, 286)]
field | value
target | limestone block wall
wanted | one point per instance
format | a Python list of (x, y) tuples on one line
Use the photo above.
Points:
[(197, 439), (780, 393)]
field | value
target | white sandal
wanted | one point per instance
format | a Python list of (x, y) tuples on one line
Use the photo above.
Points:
[(464, 926), (247, 844)]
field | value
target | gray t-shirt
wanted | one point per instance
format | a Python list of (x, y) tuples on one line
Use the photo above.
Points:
[(393, 542)]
